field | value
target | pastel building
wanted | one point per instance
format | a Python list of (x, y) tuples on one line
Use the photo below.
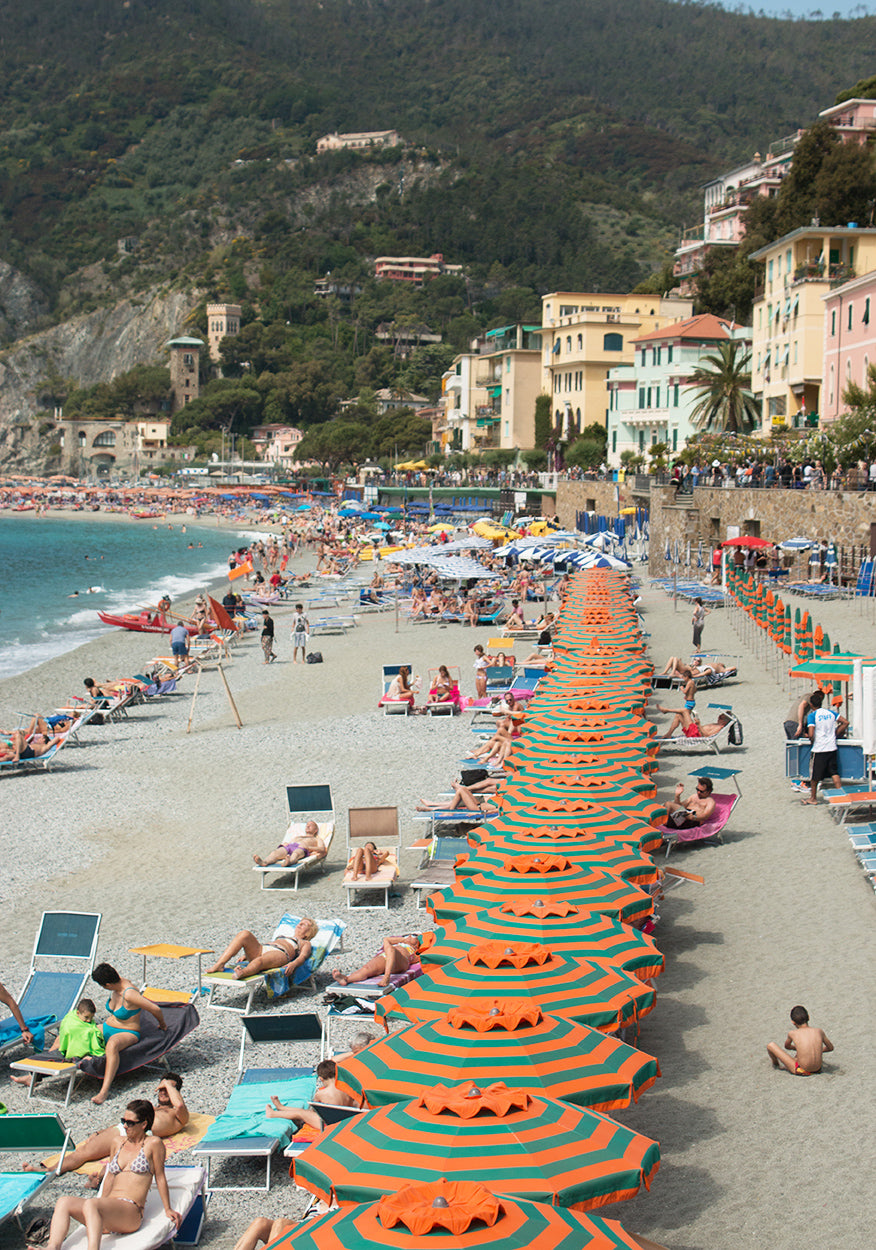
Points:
[(490, 392), (585, 335), (725, 200), (849, 341), (854, 120), (799, 271), (414, 269), (358, 140), (277, 443), (652, 399)]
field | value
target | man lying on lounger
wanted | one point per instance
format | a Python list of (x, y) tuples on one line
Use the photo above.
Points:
[(171, 1115), (300, 846), (695, 810)]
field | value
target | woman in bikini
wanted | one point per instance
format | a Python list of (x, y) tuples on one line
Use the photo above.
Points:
[(122, 1026), (282, 952), (397, 956), (129, 1176), (440, 691)]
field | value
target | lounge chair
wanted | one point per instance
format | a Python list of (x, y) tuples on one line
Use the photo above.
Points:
[(52, 987), (188, 1196), (451, 705), (438, 868), (702, 744), (304, 803), (243, 1131), (708, 831), (153, 1044), (37, 1134), (329, 938), (331, 625), (378, 825), (499, 678), (392, 706)]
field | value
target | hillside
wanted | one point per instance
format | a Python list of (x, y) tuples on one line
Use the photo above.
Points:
[(557, 143)]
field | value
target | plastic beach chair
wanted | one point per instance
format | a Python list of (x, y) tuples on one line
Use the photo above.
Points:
[(305, 802), (187, 1189), (378, 825), (36, 1134), (63, 956), (708, 831), (329, 938)]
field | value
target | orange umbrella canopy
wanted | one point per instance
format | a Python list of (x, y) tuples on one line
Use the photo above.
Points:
[(514, 1042), (597, 995), (455, 1215), (602, 853), (559, 925), (518, 1143)]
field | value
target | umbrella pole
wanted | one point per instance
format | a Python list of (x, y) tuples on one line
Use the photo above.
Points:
[(194, 697)]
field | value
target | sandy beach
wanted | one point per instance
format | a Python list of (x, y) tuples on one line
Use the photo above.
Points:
[(156, 829)]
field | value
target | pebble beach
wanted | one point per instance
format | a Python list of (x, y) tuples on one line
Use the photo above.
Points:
[(156, 828)]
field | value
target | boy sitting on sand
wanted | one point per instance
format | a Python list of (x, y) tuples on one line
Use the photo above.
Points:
[(808, 1043)]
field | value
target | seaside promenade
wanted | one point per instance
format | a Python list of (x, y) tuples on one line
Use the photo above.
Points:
[(156, 829)]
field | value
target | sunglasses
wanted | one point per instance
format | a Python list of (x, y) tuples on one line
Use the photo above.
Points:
[(131, 1123)]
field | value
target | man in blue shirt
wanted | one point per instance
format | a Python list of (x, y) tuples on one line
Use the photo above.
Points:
[(823, 725)]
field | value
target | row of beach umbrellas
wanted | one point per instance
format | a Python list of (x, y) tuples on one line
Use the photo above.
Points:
[(488, 1118)]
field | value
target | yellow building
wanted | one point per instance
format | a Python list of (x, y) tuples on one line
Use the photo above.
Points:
[(584, 335), (788, 335)]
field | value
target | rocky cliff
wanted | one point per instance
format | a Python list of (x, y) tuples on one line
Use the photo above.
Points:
[(94, 347)]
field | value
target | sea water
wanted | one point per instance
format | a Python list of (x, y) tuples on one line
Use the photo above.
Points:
[(115, 566)]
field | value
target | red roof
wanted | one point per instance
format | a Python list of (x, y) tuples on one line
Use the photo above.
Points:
[(703, 329)]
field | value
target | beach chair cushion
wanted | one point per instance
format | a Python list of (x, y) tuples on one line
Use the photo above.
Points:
[(181, 1019), (186, 1186), (709, 829), (328, 938), (385, 875), (244, 1116), (16, 1189)]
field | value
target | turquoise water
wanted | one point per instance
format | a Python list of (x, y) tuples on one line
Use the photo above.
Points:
[(128, 564)]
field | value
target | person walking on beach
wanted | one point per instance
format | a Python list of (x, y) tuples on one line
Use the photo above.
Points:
[(179, 642), (268, 636), (823, 724), (698, 621), (808, 1044), (300, 630)]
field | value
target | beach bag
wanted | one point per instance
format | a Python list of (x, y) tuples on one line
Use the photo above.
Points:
[(734, 734), (315, 657)]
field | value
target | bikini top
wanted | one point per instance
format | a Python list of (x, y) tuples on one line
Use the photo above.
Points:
[(140, 1167), (121, 1012)]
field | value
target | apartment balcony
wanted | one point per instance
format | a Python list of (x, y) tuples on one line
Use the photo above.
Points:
[(817, 271), (491, 378)]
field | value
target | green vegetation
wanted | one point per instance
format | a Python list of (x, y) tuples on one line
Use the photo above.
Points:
[(723, 382)]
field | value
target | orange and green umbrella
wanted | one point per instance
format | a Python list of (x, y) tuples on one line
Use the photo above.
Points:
[(557, 924), (574, 772), (578, 820), (598, 995), (602, 853), (519, 1144), (515, 1043), (538, 791), (549, 876), (455, 1215)]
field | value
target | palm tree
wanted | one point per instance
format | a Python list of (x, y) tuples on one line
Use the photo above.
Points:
[(723, 380)]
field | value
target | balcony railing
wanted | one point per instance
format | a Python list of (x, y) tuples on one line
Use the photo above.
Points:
[(817, 271)]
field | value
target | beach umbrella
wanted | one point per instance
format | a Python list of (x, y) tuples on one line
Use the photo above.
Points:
[(586, 820), (519, 1144), (602, 853), (562, 926), (516, 1043), (795, 544), (455, 1215), (549, 876), (598, 995)]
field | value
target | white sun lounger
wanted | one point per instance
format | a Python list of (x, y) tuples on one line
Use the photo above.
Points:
[(187, 1188), (314, 802), (378, 825)]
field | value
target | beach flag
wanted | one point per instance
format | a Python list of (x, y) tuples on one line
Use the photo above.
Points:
[(241, 571)]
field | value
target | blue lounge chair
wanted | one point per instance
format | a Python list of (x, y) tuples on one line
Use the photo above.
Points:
[(53, 987), (36, 1134)]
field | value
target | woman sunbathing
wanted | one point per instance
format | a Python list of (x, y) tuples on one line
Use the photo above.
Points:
[(122, 1026), (471, 797), (495, 751), (18, 748), (282, 952), (301, 846), (443, 685), (397, 956), (366, 860), (138, 1159), (400, 689)]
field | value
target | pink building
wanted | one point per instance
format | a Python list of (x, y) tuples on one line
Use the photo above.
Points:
[(853, 120), (849, 340), (416, 269), (277, 443)]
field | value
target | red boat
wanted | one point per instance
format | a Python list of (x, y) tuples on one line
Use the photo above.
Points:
[(146, 622)]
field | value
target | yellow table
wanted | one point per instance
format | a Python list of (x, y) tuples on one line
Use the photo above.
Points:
[(37, 1066), (167, 950)]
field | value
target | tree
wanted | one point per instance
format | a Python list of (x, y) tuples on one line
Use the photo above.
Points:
[(723, 382), (585, 453), (543, 420), (535, 460)]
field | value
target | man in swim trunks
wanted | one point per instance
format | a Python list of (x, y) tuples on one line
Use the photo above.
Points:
[(695, 810), (171, 1115), (808, 1043), (301, 845)]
